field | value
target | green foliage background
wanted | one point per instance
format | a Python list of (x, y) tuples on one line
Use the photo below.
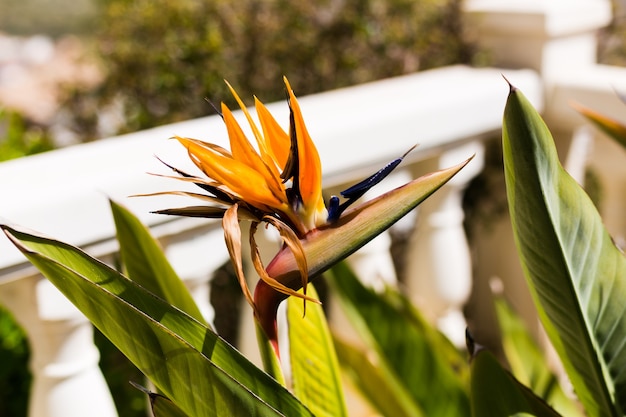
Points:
[(15, 378), (20, 138), (163, 57)]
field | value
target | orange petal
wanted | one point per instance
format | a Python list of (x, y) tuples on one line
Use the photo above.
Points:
[(614, 128), (266, 154), (202, 144), (241, 179), (277, 139), (243, 151), (204, 197), (310, 165), (188, 179)]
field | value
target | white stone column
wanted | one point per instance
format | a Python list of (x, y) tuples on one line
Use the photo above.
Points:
[(67, 381), (557, 38), (438, 265)]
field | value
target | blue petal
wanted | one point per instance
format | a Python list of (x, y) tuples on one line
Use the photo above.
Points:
[(357, 190)]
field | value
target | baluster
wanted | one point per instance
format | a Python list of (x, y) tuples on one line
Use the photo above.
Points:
[(438, 266), (67, 381)]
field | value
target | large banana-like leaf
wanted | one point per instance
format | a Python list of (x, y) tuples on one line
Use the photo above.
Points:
[(496, 393), (376, 381), (421, 359), (161, 405), (191, 365), (576, 274), (529, 363), (146, 263), (315, 371)]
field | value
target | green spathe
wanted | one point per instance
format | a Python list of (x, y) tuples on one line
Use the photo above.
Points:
[(327, 245)]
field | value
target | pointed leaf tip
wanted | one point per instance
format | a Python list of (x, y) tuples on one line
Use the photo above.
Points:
[(512, 88), (469, 342)]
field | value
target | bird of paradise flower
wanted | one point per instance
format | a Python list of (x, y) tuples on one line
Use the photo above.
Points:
[(281, 184)]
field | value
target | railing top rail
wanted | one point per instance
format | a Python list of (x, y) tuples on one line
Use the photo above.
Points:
[(63, 193)]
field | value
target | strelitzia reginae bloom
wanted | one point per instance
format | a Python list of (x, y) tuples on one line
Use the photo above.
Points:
[(279, 182)]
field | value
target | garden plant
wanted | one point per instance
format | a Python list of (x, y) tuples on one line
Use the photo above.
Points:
[(575, 273)]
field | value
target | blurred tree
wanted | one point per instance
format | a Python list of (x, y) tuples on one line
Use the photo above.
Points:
[(15, 377), (53, 18), (163, 57), (18, 137)]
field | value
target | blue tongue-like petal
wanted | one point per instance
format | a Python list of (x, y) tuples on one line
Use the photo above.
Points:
[(356, 191)]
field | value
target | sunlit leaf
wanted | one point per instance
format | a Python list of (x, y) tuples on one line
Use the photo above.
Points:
[(160, 404), (191, 365), (269, 354), (529, 363), (146, 264), (315, 371), (576, 274), (415, 353), (377, 383)]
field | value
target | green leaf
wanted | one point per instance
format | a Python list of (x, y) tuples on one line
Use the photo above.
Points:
[(376, 381), (146, 264), (163, 407), (422, 360), (496, 393), (269, 357), (528, 362), (575, 272), (160, 404), (315, 371), (191, 365)]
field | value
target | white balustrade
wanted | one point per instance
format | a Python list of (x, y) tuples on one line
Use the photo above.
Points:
[(447, 112), (357, 131), (558, 39), (438, 261)]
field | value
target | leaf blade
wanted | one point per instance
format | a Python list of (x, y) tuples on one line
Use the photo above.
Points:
[(414, 352), (376, 381), (315, 369), (197, 370), (529, 364), (146, 264), (576, 274), (496, 393)]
